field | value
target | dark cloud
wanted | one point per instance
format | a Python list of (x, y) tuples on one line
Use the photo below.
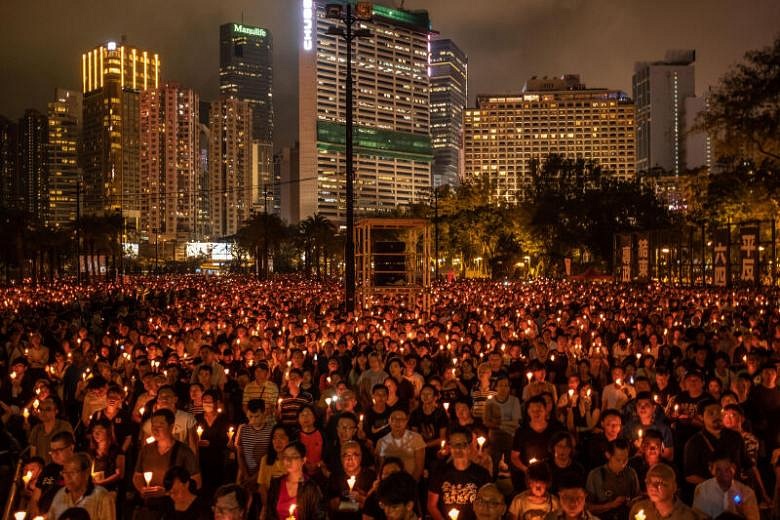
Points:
[(507, 41)]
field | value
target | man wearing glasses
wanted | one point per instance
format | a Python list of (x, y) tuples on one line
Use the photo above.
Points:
[(42, 433), (230, 503), (456, 484), (662, 502), (79, 491), (490, 503), (51, 480)]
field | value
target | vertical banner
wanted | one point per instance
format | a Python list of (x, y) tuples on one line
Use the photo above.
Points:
[(624, 242), (748, 254), (567, 265), (643, 256), (720, 258)]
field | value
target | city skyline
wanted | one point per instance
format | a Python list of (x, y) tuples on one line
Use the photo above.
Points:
[(601, 40)]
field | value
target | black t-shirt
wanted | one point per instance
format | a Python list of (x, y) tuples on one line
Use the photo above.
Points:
[(532, 444), (376, 424), (428, 426), (457, 489), (49, 482)]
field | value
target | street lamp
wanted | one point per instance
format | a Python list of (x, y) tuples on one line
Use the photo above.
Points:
[(344, 13)]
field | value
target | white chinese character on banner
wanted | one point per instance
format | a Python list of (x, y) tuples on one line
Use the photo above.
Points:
[(644, 248), (720, 276), (748, 274), (748, 245), (720, 254)]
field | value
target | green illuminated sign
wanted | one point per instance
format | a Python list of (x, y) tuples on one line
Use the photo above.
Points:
[(251, 31), (417, 19), (372, 141)]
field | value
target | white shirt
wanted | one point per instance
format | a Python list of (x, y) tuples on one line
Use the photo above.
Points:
[(403, 448), (710, 499)]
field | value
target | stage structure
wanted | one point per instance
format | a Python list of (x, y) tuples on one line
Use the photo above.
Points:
[(393, 256)]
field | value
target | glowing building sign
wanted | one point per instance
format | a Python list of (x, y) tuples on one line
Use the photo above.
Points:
[(308, 25), (251, 31)]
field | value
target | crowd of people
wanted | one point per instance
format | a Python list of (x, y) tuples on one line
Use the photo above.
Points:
[(231, 398)]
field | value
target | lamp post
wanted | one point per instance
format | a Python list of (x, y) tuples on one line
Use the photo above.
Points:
[(344, 14)]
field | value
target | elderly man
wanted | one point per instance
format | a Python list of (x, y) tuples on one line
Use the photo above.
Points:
[(722, 493), (79, 491), (662, 502), (490, 503)]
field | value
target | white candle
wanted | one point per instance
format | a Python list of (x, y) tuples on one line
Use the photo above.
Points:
[(453, 514), (148, 477), (20, 515), (199, 430), (481, 442), (26, 478), (351, 482), (640, 515)]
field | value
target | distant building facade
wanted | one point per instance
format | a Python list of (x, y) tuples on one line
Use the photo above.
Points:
[(62, 156), (449, 96), (503, 134)]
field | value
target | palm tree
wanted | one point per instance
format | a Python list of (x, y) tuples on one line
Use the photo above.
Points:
[(263, 233), (317, 232)]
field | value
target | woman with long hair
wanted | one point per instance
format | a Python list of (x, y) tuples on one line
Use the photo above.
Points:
[(108, 459), (271, 464), (293, 494)]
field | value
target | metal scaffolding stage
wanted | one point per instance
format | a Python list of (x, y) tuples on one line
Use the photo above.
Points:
[(393, 257)]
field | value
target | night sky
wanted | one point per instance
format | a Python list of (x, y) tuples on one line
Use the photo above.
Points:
[(507, 41)]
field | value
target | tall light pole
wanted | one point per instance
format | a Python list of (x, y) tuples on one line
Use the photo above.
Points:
[(343, 13)]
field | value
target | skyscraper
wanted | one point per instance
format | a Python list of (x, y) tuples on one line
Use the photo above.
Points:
[(393, 152), (9, 159), (230, 165), (33, 175), (113, 76), (65, 114), (660, 89), (449, 77), (169, 163), (246, 73), (551, 116)]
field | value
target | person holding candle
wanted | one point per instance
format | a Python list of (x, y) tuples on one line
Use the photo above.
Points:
[(482, 391), (157, 457), (108, 459), (213, 441), (530, 440), (293, 399), (430, 421), (454, 485), (376, 423), (314, 440), (661, 502), (649, 454), (293, 496), (613, 485), (649, 416), (349, 486), (562, 463), (117, 416)]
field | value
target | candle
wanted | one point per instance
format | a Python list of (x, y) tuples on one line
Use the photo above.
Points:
[(453, 514), (20, 515), (442, 444), (26, 414), (148, 477), (571, 393), (150, 439), (351, 482), (292, 513), (481, 442), (640, 515), (533, 460), (199, 431), (230, 435), (529, 375), (446, 407), (141, 411), (640, 433), (26, 478)]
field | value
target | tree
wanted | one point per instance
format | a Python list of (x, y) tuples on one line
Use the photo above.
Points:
[(262, 234), (316, 233), (744, 108)]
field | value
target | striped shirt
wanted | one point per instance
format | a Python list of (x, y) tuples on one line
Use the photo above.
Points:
[(268, 392), (254, 444), (291, 406)]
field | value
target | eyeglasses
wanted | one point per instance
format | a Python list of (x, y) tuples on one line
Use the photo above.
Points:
[(58, 450), (479, 501), (657, 483)]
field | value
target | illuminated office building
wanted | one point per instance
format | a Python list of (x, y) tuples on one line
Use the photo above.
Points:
[(392, 143), (62, 156), (33, 174), (169, 163), (550, 116), (113, 76), (230, 165), (9, 157), (246, 73), (449, 76)]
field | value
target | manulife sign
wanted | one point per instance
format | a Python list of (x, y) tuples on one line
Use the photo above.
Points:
[(251, 31), (375, 142)]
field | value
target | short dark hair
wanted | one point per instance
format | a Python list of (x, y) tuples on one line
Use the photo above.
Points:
[(398, 488), (256, 405), (75, 513), (65, 437), (617, 444), (168, 415)]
